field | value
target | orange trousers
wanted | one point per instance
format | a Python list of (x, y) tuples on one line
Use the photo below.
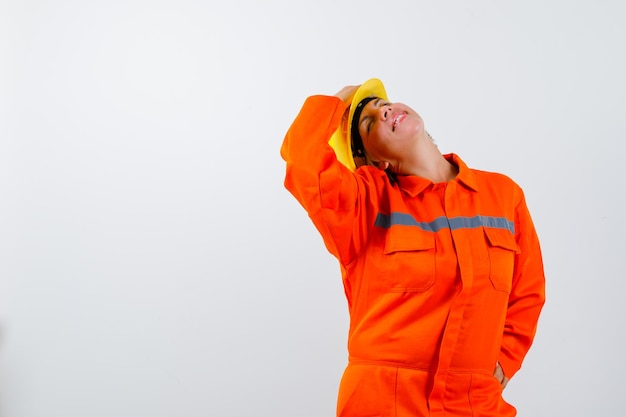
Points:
[(387, 391)]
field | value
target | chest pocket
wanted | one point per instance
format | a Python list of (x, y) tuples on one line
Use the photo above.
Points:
[(502, 248), (409, 260)]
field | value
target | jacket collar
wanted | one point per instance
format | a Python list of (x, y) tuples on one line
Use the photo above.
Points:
[(414, 185)]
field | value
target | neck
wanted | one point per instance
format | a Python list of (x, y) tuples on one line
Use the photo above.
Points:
[(429, 163)]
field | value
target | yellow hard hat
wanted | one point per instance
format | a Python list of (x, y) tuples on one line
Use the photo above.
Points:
[(341, 140)]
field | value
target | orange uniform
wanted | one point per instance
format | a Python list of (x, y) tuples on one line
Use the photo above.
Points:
[(442, 279)]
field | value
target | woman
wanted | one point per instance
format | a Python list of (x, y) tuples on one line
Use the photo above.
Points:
[(440, 263)]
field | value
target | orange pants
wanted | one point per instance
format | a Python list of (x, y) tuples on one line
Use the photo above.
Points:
[(387, 391)]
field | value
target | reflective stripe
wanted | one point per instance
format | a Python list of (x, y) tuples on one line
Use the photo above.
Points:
[(403, 219)]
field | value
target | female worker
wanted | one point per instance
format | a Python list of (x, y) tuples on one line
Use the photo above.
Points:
[(440, 263)]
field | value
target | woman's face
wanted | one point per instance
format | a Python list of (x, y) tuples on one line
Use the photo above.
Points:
[(389, 130)]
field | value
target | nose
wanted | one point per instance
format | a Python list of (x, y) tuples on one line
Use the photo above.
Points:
[(384, 111)]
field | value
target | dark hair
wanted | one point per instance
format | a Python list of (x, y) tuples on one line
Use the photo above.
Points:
[(393, 177), (358, 150)]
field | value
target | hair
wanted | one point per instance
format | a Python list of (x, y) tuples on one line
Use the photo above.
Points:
[(393, 177)]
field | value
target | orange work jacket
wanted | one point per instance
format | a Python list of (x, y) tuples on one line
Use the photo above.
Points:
[(442, 280)]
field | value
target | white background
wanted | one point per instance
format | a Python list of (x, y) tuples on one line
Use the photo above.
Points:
[(151, 262)]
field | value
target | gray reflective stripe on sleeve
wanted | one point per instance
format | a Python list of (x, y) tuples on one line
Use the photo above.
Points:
[(403, 219)]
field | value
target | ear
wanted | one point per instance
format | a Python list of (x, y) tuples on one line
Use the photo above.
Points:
[(382, 165)]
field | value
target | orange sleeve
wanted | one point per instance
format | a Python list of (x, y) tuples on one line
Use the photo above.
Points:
[(527, 294), (328, 191)]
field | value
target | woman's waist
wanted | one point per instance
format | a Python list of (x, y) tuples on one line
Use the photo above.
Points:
[(421, 366)]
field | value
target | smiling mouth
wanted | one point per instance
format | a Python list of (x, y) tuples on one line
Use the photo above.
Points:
[(397, 120)]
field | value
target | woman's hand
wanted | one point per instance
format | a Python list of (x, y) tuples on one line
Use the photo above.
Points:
[(347, 93), (499, 374)]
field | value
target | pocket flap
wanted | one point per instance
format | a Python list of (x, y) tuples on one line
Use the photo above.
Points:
[(407, 238), (502, 239)]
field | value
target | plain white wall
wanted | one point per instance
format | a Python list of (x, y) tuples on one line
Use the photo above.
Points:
[(151, 262)]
